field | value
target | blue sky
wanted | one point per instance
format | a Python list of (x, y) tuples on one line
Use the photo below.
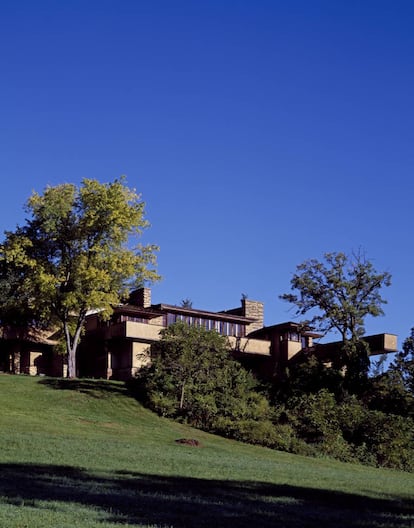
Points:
[(260, 134)]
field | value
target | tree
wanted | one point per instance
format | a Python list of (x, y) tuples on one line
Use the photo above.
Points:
[(393, 390), (72, 255), (194, 377), (404, 363), (16, 307), (186, 303), (341, 291), (307, 376)]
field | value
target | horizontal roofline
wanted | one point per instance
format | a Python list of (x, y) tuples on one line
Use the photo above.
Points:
[(161, 309), (133, 309), (370, 339), (288, 325)]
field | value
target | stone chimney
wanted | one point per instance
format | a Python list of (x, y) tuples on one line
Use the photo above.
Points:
[(141, 297), (254, 310)]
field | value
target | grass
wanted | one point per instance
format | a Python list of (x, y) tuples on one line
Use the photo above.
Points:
[(85, 454)]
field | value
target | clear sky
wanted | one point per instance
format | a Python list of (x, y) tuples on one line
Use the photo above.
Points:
[(260, 133)]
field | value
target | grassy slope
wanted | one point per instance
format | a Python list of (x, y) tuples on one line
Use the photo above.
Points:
[(86, 454)]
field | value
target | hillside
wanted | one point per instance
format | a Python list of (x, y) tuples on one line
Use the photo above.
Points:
[(86, 454)]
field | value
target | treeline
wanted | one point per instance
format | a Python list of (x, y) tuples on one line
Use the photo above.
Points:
[(312, 411)]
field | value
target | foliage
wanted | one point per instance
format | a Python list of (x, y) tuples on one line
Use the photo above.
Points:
[(314, 416), (72, 255), (340, 291), (386, 392), (392, 391), (343, 289), (349, 431), (404, 364), (307, 376), (17, 306), (193, 377), (257, 432), (390, 439), (186, 303)]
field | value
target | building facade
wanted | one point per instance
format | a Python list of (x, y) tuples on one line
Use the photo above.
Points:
[(119, 347)]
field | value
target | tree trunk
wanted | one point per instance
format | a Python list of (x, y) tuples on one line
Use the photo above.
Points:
[(182, 395), (71, 347), (72, 363)]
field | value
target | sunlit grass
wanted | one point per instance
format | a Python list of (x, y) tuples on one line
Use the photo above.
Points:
[(86, 454)]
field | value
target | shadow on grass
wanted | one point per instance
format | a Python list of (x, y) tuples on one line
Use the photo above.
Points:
[(97, 388), (94, 388), (135, 498)]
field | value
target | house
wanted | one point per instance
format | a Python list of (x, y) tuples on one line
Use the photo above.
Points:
[(119, 347)]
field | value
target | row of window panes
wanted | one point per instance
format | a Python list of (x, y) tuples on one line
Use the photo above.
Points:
[(122, 318), (295, 336), (290, 336), (222, 327)]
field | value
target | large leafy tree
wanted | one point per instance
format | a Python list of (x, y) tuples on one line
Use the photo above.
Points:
[(338, 293), (73, 254)]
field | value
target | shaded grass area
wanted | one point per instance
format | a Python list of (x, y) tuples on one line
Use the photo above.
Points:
[(85, 454), (90, 387), (143, 499)]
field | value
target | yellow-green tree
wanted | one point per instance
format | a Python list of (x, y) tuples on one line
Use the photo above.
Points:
[(75, 253)]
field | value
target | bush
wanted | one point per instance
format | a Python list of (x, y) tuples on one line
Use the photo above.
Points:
[(261, 432), (350, 432), (314, 416), (390, 438)]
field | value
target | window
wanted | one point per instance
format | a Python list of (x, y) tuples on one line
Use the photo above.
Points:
[(135, 319), (293, 336), (222, 327), (171, 318)]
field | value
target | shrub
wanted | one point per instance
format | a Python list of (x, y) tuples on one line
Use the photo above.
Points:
[(314, 416), (351, 432), (390, 438)]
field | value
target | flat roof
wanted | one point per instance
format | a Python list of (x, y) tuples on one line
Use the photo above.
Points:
[(204, 313), (288, 325), (161, 309)]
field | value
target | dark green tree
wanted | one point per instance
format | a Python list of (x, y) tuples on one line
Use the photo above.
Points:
[(404, 363), (193, 376), (186, 303), (339, 293), (308, 376), (17, 308), (392, 391)]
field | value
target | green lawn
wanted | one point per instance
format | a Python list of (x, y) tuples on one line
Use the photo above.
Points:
[(86, 454)]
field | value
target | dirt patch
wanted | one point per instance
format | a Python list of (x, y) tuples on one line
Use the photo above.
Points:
[(188, 441)]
